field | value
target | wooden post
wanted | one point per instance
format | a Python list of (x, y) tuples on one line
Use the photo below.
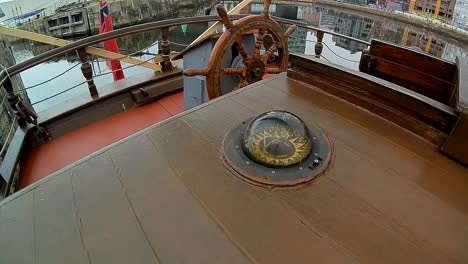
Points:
[(87, 71), (319, 45), (427, 49), (13, 100), (166, 64)]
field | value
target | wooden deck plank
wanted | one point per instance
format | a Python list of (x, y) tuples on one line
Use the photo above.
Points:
[(111, 232), (388, 197), (427, 168), (265, 228), (353, 223), (414, 208), (58, 238), (347, 224), (373, 123), (419, 168), (408, 212), (17, 231), (213, 121), (176, 224)]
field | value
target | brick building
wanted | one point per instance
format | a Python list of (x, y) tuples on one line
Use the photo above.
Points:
[(439, 8)]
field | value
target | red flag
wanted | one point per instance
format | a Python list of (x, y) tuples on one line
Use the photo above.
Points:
[(105, 25)]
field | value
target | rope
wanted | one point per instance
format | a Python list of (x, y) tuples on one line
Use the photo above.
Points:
[(53, 78), (179, 44), (69, 69), (337, 54), (74, 66), (130, 54), (130, 66), (7, 73), (3, 100), (325, 44), (95, 76), (52, 96), (325, 58), (13, 123)]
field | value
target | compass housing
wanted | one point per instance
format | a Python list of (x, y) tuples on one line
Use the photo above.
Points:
[(276, 149)]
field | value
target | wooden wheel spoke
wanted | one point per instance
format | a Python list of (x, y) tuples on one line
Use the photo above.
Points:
[(273, 70), (224, 17), (258, 43), (242, 49), (234, 71), (266, 8), (270, 37), (270, 51), (195, 72), (290, 30)]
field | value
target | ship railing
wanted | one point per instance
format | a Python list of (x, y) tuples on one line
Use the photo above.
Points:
[(15, 124)]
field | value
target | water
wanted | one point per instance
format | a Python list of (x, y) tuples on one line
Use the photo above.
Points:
[(336, 50), (146, 42)]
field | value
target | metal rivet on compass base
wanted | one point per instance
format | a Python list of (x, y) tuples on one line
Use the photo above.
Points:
[(279, 145)]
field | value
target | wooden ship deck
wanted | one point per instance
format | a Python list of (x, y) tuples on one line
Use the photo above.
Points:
[(315, 163), (163, 195)]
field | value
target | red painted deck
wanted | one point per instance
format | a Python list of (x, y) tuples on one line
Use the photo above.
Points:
[(78, 144)]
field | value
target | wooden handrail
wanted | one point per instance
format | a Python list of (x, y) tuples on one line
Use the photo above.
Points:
[(84, 43), (304, 25)]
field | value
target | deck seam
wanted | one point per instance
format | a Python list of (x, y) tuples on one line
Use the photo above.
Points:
[(306, 223), (207, 211), (165, 109), (78, 218), (208, 140), (118, 172), (34, 226)]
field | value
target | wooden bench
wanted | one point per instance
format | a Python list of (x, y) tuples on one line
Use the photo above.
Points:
[(456, 144), (411, 69)]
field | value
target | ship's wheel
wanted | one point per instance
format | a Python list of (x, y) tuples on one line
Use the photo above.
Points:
[(254, 66)]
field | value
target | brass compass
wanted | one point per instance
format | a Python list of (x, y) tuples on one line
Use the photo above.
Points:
[(277, 139), (276, 149)]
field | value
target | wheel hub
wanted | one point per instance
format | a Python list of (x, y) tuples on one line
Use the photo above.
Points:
[(276, 51), (256, 70)]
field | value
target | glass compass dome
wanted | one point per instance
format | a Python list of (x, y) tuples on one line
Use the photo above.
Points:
[(277, 139)]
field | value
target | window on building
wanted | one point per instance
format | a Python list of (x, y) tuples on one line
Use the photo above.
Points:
[(77, 17), (64, 20), (52, 23)]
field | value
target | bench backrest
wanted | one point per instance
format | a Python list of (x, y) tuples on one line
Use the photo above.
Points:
[(411, 69)]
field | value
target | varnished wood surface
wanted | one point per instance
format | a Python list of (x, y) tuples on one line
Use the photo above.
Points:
[(163, 195), (417, 71), (417, 113)]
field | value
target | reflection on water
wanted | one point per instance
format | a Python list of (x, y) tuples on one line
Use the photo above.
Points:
[(366, 28), (146, 43), (337, 50)]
